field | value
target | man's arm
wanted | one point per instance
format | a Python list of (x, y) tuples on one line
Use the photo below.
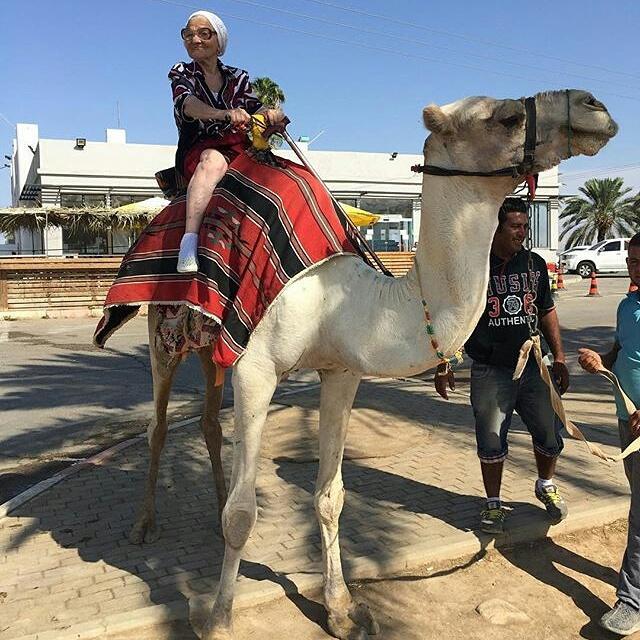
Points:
[(551, 331)]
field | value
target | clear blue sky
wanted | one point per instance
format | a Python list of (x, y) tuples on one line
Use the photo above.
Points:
[(66, 63)]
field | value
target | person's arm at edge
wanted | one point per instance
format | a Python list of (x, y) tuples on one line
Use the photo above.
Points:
[(551, 331)]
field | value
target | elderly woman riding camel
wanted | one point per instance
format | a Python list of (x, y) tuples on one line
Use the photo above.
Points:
[(212, 104)]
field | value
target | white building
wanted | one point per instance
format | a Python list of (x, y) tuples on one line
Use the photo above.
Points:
[(51, 173)]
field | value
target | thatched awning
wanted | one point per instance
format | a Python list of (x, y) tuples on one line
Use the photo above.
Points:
[(88, 218)]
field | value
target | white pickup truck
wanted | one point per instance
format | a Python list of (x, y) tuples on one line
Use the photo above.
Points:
[(602, 257)]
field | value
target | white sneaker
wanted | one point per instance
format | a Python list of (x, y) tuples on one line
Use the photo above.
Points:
[(187, 264)]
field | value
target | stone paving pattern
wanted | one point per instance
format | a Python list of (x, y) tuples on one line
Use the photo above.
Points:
[(65, 558)]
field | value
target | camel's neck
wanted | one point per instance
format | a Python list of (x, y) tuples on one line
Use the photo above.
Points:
[(459, 218)]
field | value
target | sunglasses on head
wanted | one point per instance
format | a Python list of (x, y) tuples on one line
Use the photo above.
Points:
[(204, 34)]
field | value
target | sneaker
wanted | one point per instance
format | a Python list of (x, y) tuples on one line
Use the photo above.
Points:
[(187, 264), (492, 520), (623, 619), (553, 502)]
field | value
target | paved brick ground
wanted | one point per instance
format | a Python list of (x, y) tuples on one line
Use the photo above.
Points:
[(65, 559)]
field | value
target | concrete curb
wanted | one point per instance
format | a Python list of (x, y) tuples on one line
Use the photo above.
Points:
[(250, 593)]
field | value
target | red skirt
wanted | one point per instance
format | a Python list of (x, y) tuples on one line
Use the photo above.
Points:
[(230, 146)]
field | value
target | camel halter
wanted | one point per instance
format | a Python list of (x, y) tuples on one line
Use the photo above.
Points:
[(528, 158)]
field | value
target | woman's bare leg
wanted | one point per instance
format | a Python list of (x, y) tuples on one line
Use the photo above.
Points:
[(208, 173)]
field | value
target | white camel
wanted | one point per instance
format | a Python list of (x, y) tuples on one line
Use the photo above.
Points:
[(346, 320)]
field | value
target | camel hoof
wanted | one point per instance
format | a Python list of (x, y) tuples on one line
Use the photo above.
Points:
[(362, 616), (343, 628), (218, 633), (144, 532)]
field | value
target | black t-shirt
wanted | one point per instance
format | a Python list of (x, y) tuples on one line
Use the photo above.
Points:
[(502, 329)]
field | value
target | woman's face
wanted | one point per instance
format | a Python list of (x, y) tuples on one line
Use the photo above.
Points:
[(195, 40)]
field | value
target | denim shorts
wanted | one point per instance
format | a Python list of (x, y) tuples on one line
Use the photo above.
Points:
[(494, 397)]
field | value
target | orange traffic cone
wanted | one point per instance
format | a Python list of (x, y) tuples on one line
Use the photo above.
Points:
[(632, 287), (561, 286), (593, 286)]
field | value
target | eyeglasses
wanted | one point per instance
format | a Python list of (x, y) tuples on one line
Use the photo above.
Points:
[(203, 34)]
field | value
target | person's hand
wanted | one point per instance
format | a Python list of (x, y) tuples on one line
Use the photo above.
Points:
[(239, 118), (442, 379), (634, 423), (589, 360), (560, 375), (274, 116)]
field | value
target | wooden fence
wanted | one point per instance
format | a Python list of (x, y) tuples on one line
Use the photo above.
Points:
[(58, 284), (52, 284)]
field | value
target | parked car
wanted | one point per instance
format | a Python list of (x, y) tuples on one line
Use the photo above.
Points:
[(578, 247), (606, 256)]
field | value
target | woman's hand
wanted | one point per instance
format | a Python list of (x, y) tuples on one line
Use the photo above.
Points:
[(274, 116), (238, 118), (590, 361)]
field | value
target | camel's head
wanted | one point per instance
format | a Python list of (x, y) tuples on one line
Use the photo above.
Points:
[(485, 134)]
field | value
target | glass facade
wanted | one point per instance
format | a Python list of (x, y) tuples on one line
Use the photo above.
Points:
[(540, 224)]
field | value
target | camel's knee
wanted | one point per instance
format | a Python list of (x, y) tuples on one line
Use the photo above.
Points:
[(329, 503), (156, 434), (238, 520), (212, 164)]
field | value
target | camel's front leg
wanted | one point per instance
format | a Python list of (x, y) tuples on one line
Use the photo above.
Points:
[(209, 423), (347, 619), (163, 369), (253, 386)]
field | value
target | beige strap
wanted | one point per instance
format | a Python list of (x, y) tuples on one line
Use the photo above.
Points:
[(556, 402)]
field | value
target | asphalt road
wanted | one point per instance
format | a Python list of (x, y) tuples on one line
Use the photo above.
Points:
[(61, 399)]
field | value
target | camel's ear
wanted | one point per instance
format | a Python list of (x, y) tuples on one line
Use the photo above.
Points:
[(436, 120)]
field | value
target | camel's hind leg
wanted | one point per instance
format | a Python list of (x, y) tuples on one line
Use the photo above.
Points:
[(209, 423), (163, 369), (346, 619), (253, 385)]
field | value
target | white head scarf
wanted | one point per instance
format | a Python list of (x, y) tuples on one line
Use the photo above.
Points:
[(217, 25)]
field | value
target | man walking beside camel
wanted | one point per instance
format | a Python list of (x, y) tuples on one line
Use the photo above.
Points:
[(494, 347)]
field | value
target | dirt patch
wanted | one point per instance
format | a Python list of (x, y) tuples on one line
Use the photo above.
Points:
[(562, 586)]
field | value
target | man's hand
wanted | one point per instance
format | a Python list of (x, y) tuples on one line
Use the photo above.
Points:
[(634, 423), (442, 378), (560, 375), (589, 360)]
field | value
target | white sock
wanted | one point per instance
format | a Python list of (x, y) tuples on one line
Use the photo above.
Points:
[(189, 245), (543, 483), (494, 503)]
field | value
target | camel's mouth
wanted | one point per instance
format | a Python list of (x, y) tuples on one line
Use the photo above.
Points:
[(597, 134)]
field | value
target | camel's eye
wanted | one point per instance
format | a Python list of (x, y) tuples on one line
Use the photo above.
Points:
[(511, 121)]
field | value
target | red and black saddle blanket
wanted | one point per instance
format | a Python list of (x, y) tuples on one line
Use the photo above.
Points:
[(264, 225)]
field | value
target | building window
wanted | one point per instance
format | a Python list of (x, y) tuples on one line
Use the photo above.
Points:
[(388, 206), (84, 241), (79, 200), (119, 200), (540, 225)]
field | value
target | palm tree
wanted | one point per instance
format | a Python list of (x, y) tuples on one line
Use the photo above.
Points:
[(268, 92), (604, 213)]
